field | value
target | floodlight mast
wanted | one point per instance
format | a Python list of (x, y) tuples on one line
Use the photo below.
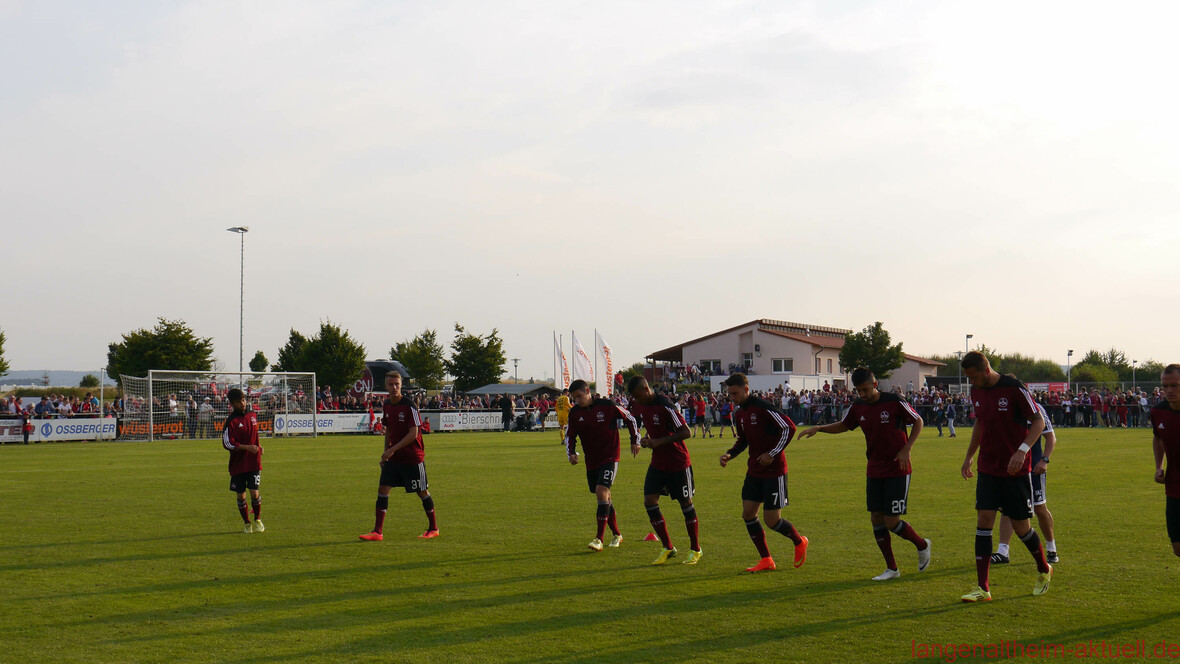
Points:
[(241, 230)]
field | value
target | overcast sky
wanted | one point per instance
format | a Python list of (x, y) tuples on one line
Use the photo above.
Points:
[(658, 170)]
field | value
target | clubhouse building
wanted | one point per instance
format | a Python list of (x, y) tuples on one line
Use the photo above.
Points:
[(777, 353)]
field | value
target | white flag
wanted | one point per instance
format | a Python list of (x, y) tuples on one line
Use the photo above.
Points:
[(604, 348), (563, 367), (583, 365)]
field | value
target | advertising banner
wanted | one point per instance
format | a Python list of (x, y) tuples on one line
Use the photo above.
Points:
[(44, 431), (476, 420), (288, 425)]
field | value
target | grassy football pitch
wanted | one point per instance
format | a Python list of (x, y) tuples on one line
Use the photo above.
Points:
[(132, 552)]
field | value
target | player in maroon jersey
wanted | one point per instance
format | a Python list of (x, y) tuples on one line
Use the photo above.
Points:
[(402, 462), (593, 421), (1165, 442), (240, 437), (670, 472), (1007, 424), (766, 431), (883, 417)]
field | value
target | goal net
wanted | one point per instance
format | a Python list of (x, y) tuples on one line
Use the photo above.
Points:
[(193, 404)]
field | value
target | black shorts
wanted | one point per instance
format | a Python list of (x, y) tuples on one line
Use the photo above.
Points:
[(678, 484), (411, 476), (1010, 495), (242, 481), (603, 475), (1038, 488), (887, 495), (770, 491), (726, 420), (1173, 516)]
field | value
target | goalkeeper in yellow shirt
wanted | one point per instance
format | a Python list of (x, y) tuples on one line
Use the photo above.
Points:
[(563, 413)]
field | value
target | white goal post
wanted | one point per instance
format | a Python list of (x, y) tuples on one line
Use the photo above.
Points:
[(193, 404)]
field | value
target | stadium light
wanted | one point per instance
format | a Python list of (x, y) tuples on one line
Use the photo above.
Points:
[(1068, 369), (515, 374), (1133, 364), (241, 230)]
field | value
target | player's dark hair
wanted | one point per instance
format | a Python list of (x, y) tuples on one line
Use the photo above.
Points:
[(235, 395), (634, 384), (737, 380), (579, 384), (862, 375), (975, 360), (1170, 369)]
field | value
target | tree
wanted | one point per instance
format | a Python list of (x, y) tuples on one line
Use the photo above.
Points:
[(170, 345), (89, 380), (870, 348), (3, 362), (289, 354), (422, 356), (475, 360), (258, 364), (631, 371), (1094, 373), (336, 358)]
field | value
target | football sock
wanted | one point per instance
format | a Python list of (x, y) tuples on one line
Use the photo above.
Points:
[(983, 555), (758, 536), (786, 529), (242, 509), (690, 522), (428, 505), (1002, 549), (884, 542), (612, 521), (382, 505), (257, 505), (1033, 542), (907, 532), (603, 515), (659, 525), (1051, 545)]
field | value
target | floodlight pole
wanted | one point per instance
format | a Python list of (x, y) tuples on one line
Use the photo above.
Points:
[(1134, 363), (515, 373), (1068, 370), (241, 230)]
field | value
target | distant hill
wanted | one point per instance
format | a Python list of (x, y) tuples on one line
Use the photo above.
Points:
[(57, 378)]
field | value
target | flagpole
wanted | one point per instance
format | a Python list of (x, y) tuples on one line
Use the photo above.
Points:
[(596, 385)]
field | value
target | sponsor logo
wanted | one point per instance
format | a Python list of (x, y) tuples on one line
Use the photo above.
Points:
[(753, 418), (601, 417), (1002, 403), (655, 419), (884, 416), (279, 424), (46, 429)]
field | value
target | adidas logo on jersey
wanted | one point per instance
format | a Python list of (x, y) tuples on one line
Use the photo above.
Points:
[(862, 418), (1160, 426)]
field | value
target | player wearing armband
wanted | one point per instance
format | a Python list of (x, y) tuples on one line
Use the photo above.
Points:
[(766, 431), (670, 472), (1165, 443), (883, 417), (594, 422), (240, 437), (1007, 423), (402, 463)]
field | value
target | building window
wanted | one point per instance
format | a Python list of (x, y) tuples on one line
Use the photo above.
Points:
[(829, 366), (710, 367), (747, 360), (818, 365), (783, 364)]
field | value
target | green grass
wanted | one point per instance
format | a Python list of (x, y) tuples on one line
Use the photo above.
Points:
[(131, 552)]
